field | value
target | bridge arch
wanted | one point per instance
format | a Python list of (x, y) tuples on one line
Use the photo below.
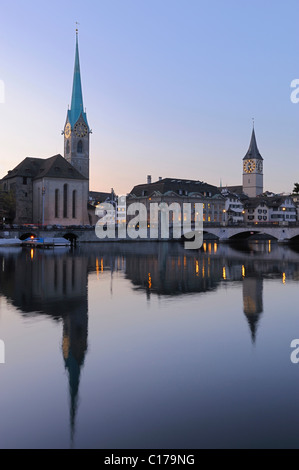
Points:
[(207, 236), (210, 235), (72, 237), (24, 236), (262, 235), (294, 239)]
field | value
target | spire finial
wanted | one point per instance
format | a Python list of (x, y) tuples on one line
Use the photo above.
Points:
[(77, 30), (253, 122)]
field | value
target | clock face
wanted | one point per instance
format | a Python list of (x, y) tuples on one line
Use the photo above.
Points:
[(81, 129), (259, 167), (249, 166), (67, 130)]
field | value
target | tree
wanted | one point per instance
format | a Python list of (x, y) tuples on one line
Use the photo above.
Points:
[(7, 206), (296, 188)]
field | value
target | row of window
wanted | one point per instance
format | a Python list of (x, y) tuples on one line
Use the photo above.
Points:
[(65, 202), (282, 216), (275, 209), (251, 217)]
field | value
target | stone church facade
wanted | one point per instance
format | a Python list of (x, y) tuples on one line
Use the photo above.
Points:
[(48, 192)]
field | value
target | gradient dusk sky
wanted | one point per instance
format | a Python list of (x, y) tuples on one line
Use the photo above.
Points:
[(170, 86)]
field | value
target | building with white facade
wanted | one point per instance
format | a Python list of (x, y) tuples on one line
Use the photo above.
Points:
[(233, 208), (270, 209)]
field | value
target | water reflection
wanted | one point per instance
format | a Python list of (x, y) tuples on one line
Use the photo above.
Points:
[(253, 302), (52, 283), (55, 283)]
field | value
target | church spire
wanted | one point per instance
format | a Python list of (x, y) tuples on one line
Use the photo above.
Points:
[(76, 130), (253, 151), (77, 97)]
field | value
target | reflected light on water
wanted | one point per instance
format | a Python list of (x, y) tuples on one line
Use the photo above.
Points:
[(197, 267)]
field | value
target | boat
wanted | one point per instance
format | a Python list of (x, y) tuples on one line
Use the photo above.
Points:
[(37, 242)]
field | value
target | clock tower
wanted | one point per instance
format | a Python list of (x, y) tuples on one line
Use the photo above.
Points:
[(76, 131), (253, 170)]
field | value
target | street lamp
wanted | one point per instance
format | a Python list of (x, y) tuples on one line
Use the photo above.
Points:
[(283, 218)]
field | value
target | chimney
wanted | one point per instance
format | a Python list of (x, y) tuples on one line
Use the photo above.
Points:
[(149, 179), (160, 178)]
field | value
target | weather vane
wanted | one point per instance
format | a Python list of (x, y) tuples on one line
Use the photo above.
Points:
[(77, 24), (253, 122)]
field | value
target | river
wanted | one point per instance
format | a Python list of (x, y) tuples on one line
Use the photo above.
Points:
[(149, 346)]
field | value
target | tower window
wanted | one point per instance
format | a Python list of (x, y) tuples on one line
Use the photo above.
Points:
[(80, 147), (24, 180), (65, 195), (74, 204), (67, 147), (56, 203)]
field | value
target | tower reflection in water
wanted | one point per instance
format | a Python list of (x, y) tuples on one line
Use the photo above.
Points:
[(52, 283), (253, 302), (55, 283)]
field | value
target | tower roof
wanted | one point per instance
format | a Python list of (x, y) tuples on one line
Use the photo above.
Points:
[(77, 108), (253, 151)]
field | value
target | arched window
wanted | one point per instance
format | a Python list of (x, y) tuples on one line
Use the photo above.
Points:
[(56, 203), (80, 147), (65, 195), (74, 203), (68, 147)]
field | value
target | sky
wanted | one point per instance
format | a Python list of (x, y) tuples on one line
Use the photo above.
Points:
[(170, 87)]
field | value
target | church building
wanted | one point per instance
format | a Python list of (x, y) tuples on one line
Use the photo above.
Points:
[(55, 191)]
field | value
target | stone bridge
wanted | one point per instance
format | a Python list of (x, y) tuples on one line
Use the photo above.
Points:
[(282, 234), (238, 232)]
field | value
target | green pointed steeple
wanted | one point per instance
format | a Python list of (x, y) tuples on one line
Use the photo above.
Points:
[(77, 108)]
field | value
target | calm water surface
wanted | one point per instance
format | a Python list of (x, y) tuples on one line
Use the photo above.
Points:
[(145, 345)]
